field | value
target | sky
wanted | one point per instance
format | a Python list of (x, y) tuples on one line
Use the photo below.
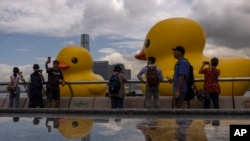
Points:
[(32, 30)]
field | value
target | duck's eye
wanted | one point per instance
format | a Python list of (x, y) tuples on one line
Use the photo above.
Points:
[(147, 43), (74, 124), (74, 60)]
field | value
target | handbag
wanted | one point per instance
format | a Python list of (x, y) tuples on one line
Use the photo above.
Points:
[(10, 87), (202, 94)]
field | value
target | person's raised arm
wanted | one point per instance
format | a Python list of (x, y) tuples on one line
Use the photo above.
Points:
[(46, 64), (202, 66)]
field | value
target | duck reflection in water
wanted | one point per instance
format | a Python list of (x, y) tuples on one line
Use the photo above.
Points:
[(172, 130)]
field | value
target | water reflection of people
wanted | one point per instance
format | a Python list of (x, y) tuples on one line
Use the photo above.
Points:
[(181, 134), (55, 123), (36, 120), (15, 119)]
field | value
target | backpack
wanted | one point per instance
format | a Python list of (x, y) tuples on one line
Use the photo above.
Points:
[(114, 84), (152, 76), (191, 89)]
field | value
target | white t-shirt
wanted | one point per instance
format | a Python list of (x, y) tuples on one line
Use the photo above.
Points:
[(15, 80)]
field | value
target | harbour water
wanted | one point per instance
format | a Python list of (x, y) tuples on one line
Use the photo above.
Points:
[(115, 129)]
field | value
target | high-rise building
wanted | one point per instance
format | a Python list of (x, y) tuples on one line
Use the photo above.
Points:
[(85, 41), (101, 68)]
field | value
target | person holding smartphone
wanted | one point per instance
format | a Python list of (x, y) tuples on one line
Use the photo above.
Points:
[(211, 85), (15, 95), (55, 77)]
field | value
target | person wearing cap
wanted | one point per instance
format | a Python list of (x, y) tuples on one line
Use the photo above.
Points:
[(181, 71), (35, 88), (117, 99)]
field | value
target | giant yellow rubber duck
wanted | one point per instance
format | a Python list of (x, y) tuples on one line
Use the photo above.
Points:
[(169, 33), (76, 64)]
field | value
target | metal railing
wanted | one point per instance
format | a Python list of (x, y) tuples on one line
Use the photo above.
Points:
[(69, 83)]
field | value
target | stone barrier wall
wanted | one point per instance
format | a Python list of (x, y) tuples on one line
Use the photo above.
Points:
[(226, 102)]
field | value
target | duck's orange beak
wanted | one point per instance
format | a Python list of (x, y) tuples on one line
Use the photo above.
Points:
[(63, 65), (141, 55)]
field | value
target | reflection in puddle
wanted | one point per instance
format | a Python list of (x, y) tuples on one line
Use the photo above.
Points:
[(114, 129)]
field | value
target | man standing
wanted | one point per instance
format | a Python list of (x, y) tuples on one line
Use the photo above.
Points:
[(35, 88), (153, 77), (54, 77), (181, 71)]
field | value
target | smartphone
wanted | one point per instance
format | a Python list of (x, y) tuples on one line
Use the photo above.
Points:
[(49, 58), (206, 62)]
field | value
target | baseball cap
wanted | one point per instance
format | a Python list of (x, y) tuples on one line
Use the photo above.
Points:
[(180, 49)]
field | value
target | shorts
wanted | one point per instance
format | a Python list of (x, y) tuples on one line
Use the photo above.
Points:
[(53, 93)]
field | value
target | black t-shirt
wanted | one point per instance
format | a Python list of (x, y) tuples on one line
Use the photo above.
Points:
[(54, 76)]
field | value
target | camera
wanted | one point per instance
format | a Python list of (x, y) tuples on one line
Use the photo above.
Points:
[(41, 71), (206, 62)]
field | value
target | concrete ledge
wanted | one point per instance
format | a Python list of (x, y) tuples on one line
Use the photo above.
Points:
[(82, 102), (64, 102), (2, 102), (133, 102), (226, 102), (196, 104), (242, 102), (166, 102), (22, 102), (102, 102), (129, 113)]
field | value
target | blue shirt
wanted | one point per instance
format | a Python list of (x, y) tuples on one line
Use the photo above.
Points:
[(181, 68)]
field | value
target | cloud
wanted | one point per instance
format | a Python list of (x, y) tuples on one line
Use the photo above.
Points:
[(127, 44), (107, 50), (118, 18), (225, 23), (222, 51)]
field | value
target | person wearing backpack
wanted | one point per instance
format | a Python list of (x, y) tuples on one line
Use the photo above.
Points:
[(35, 88), (153, 78), (181, 72), (117, 87), (211, 85)]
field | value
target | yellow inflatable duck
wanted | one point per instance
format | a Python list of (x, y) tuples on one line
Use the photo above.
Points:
[(76, 64), (75, 128), (169, 33)]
